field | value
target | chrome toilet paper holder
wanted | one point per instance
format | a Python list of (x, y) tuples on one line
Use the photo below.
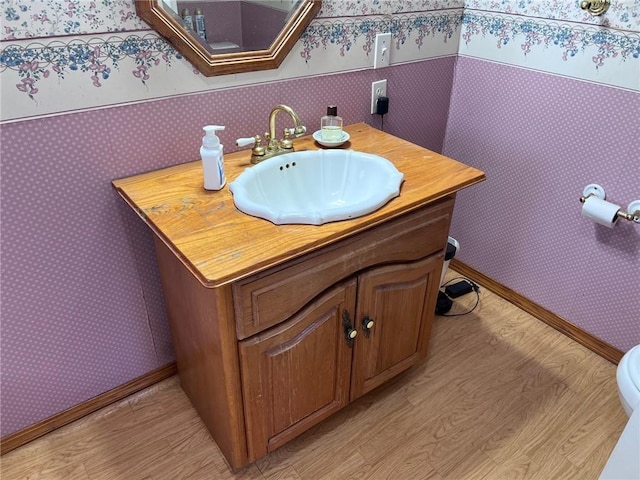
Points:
[(594, 190)]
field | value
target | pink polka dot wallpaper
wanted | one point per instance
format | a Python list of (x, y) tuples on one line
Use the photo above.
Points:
[(541, 104), (82, 307), (541, 139)]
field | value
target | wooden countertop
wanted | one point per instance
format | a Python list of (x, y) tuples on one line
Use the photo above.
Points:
[(219, 244)]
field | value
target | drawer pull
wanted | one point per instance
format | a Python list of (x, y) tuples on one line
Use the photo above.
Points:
[(349, 332), (367, 325)]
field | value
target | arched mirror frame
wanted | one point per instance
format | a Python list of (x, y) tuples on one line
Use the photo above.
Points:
[(210, 64)]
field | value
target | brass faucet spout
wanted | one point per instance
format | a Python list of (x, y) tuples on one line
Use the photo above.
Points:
[(274, 146), (298, 131)]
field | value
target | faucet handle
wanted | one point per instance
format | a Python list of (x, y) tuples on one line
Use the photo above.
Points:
[(297, 131), (246, 141), (286, 141)]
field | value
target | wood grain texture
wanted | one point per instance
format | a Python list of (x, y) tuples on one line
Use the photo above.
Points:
[(265, 299), (569, 329), (298, 373), (400, 300), (279, 405), (502, 395), (21, 437), (186, 217), (204, 341)]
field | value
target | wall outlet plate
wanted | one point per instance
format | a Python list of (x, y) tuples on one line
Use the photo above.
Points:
[(378, 89), (382, 52)]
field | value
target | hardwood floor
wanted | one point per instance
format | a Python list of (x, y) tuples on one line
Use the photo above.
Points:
[(501, 396)]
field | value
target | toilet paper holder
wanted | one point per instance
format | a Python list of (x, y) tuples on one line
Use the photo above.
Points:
[(594, 190)]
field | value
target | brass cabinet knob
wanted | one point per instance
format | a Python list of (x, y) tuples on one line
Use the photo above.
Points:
[(349, 332), (367, 325)]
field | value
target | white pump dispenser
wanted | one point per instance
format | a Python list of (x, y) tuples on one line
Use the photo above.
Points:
[(212, 160)]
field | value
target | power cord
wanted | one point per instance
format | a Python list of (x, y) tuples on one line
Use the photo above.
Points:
[(474, 287), (382, 107)]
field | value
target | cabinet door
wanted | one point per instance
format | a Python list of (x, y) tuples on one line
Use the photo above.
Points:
[(298, 373), (398, 303)]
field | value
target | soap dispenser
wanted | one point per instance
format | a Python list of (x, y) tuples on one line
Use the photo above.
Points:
[(212, 160)]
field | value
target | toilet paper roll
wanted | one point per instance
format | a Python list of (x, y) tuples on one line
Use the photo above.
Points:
[(600, 211)]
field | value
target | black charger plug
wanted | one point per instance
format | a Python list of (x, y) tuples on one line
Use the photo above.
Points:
[(382, 105), (459, 288)]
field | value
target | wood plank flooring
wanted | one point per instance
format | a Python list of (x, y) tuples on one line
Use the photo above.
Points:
[(501, 396)]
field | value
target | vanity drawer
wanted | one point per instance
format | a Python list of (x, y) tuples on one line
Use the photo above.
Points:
[(268, 298)]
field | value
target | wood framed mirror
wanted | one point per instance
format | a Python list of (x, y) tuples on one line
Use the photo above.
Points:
[(239, 35)]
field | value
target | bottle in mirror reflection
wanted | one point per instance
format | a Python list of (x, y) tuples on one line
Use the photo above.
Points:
[(199, 21), (187, 19), (331, 125)]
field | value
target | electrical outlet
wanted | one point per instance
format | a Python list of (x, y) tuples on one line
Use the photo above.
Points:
[(378, 89), (382, 50)]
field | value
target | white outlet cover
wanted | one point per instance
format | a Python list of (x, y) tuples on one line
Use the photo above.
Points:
[(382, 52), (378, 89)]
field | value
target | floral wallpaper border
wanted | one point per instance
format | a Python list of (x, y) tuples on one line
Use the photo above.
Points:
[(360, 8), (143, 58), (24, 19), (621, 15), (97, 58), (347, 33), (568, 40)]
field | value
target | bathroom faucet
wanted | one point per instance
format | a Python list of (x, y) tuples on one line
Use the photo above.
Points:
[(274, 146), (298, 131)]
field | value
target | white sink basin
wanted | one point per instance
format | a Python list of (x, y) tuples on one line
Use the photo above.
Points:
[(316, 186)]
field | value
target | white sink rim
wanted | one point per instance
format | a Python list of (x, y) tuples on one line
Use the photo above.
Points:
[(254, 194)]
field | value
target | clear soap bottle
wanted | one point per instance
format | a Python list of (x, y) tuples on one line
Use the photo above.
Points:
[(331, 125)]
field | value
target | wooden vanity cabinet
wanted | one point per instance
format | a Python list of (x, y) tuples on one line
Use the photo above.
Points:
[(394, 313), (261, 315), (265, 358), (297, 361), (299, 373)]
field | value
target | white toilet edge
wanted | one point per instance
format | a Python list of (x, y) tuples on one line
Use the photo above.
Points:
[(628, 380)]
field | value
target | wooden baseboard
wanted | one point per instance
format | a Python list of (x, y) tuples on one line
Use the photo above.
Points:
[(569, 329), (26, 435), (21, 437)]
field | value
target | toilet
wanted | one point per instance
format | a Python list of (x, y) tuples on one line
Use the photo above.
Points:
[(628, 377), (624, 462)]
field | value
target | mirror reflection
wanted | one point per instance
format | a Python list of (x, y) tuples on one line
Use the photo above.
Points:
[(230, 36), (230, 26)]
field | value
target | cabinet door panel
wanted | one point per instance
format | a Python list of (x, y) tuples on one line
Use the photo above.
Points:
[(263, 300), (399, 299), (298, 373)]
